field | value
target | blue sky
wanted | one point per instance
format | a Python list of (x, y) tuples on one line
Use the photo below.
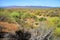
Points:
[(52, 3)]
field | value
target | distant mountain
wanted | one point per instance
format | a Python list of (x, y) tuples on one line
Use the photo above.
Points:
[(28, 7)]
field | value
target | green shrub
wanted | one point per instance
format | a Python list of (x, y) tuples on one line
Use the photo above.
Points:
[(42, 19), (14, 14), (57, 32)]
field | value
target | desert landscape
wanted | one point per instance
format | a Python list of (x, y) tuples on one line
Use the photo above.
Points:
[(36, 23)]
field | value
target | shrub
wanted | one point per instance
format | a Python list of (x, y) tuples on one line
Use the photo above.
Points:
[(42, 19), (14, 14)]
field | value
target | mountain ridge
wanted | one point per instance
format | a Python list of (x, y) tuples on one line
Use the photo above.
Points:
[(28, 7)]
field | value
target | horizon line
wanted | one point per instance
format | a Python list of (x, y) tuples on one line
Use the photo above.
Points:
[(28, 6)]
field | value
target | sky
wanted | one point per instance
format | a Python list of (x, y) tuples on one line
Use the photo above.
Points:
[(51, 3)]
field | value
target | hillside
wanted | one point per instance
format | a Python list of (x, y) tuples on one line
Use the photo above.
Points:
[(40, 23)]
